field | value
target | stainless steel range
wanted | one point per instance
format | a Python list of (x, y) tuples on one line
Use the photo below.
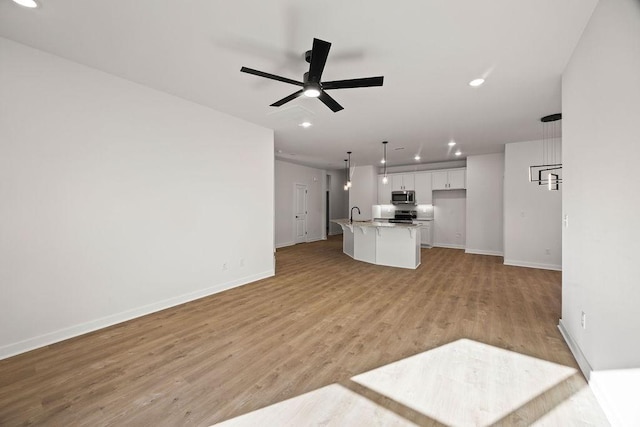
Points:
[(404, 216)]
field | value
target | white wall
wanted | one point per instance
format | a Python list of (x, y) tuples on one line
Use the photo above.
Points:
[(532, 213), (601, 148), (364, 191), (286, 176), (485, 178), (449, 223), (114, 199), (338, 199)]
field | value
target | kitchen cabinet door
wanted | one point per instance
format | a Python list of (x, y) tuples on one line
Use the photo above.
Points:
[(449, 180), (457, 179), (440, 180), (424, 194), (397, 182), (408, 179), (384, 191), (403, 181)]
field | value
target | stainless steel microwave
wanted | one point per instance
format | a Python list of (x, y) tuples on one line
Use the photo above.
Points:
[(406, 197)]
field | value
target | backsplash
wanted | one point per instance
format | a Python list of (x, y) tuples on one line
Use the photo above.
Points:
[(388, 211)]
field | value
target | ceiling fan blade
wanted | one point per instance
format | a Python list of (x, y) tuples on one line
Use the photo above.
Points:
[(270, 76), (287, 98), (330, 102), (319, 54), (346, 84)]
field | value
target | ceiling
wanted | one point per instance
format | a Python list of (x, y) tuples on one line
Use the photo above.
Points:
[(427, 51)]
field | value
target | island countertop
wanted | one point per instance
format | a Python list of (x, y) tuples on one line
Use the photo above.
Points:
[(369, 223)]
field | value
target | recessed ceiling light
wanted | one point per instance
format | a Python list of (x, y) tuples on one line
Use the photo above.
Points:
[(27, 3), (452, 143), (305, 124), (476, 82), (382, 161), (417, 157), (457, 153)]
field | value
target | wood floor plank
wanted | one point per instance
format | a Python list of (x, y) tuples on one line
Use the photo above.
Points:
[(321, 320)]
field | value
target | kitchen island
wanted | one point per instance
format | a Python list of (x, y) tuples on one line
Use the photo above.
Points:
[(382, 243)]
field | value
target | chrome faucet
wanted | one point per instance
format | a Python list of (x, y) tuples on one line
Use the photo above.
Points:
[(351, 218)]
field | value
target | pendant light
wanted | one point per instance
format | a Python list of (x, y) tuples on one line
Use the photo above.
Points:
[(349, 170), (549, 172), (384, 160), (346, 175)]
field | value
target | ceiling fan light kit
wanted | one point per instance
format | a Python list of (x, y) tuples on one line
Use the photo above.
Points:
[(312, 84), (31, 4)]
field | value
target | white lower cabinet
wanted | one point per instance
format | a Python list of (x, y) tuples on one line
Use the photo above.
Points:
[(426, 233)]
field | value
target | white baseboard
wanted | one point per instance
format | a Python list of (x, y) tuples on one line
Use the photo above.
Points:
[(584, 365), (447, 245), (284, 245), (93, 325), (309, 240), (483, 252), (616, 391), (517, 263)]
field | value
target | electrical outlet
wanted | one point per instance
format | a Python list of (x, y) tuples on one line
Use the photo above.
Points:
[(565, 221), (547, 251), (225, 265), (241, 262), (583, 320)]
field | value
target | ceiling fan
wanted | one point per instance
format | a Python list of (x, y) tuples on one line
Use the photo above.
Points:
[(312, 86)]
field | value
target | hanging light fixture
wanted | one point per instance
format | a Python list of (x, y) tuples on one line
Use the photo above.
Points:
[(346, 175), (384, 161), (549, 172), (349, 170)]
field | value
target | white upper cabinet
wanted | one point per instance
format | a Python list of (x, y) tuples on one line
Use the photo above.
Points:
[(424, 195), (449, 180), (384, 191), (457, 179), (402, 181), (423, 183)]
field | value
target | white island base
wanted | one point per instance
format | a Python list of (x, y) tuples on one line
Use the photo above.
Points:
[(393, 245)]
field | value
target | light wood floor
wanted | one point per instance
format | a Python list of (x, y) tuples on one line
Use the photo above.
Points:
[(321, 321)]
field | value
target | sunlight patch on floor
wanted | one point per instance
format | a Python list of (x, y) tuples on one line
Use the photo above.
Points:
[(332, 405), (579, 410), (466, 383), (463, 383)]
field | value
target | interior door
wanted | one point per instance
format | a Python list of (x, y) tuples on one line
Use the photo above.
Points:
[(300, 213)]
